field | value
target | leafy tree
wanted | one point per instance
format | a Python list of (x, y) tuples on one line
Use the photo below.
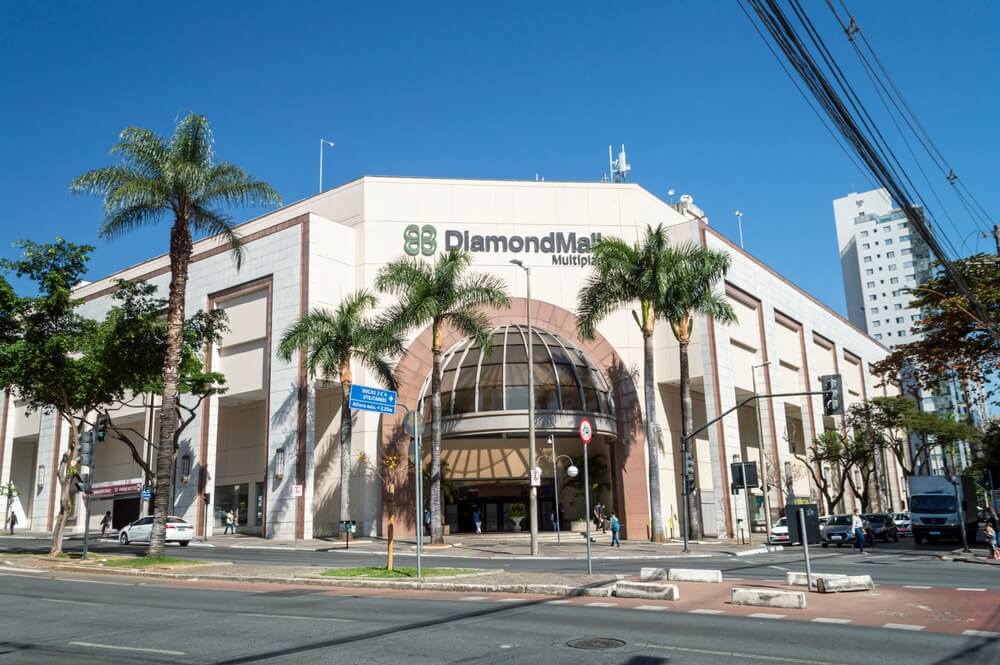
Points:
[(624, 273), (54, 359), (951, 340), (442, 293), (331, 340), (690, 291), (175, 178), (829, 459)]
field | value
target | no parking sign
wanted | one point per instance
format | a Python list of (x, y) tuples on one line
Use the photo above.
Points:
[(586, 430)]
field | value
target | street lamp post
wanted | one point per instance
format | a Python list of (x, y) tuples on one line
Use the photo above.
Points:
[(533, 490), (321, 142), (555, 483), (739, 221), (763, 456)]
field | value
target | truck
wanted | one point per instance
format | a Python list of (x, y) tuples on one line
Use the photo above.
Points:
[(939, 505)]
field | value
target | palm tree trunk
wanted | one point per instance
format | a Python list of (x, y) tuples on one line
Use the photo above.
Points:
[(652, 441), (180, 259), (345, 443), (687, 420), (437, 533)]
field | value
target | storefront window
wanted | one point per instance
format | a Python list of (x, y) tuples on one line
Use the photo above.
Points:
[(232, 497)]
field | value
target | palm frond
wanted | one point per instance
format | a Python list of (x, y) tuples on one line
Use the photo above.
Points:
[(471, 323), (403, 275), (143, 150), (230, 183), (481, 289), (192, 141), (213, 223), (124, 220)]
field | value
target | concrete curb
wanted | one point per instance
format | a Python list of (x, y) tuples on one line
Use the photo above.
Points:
[(965, 558), (651, 574), (647, 591), (794, 600), (799, 579), (760, 550), (694, 575), (848, 583)]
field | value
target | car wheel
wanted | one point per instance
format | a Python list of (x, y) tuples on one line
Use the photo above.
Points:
[(839, 545), (917, 540), (895, 538), (825, 545), (123, 538), (183, 543)]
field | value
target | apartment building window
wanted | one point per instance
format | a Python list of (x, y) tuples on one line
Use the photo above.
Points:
[(899, 319), (905, 251), (914, 317), (872, 297), (874, 310), (905, 238), (902, 225), (866, 245), (869, 271), (890, 255), (864, 234), (894, 280), (907, 264), (892, 267), (876, 324), (911, 277), (888, 241), (870, 284), (895, 293), (897, 306), (878, 336), (868, 259)]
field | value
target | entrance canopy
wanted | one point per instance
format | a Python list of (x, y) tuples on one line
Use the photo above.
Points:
[(485, 391)]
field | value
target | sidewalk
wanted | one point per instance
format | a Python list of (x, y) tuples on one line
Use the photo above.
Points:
[(975, 556)]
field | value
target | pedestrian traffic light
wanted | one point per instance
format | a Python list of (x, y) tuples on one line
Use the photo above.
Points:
[(103, 421), (833, 394), (87, 449)]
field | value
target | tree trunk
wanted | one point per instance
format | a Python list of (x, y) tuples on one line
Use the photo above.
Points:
[(437, 532), (345, 441), (656, 533), (687, 420), (68, 461), (180, 258)]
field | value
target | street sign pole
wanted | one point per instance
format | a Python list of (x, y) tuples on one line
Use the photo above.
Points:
[(586, 434), (804, 537), (418, 426)]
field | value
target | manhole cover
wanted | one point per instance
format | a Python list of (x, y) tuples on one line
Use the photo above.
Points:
[(596, 643)]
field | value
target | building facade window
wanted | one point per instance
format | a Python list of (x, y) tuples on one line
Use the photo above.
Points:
[(890, 255), (888, 241), (869, 271), (874, 310), (868, 259), (905, 238), (866, 245), (894, 280), (892, 267), (897, 306), (864, 234), (878, 336), (872, 297), (870, 284)]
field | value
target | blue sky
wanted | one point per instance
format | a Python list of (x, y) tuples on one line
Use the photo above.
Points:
[(469, 90)]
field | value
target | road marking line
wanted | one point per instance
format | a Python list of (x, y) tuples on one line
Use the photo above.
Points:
[(765, 615), (651, 608), (704, 611), (742, 656), (558, 602), (474, 598), (67, 602), (601, 604), (903, 626), (733, 579), (69, 579), (295, 616), (980, 633), (509, 600), (916, 586), (166, 652), (962, 588), (830, 620)]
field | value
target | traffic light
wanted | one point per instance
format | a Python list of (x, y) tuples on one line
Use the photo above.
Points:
[(87, 449), (103, 421), (689, 472), (833, 394)]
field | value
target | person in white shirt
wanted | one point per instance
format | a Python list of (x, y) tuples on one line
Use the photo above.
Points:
[(858, 527)]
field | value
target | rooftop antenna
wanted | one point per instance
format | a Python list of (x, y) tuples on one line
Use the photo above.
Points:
[(619, 168), (670, 193)]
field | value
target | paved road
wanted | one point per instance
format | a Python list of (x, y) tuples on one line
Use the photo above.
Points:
[(108, 622), (888, 564)]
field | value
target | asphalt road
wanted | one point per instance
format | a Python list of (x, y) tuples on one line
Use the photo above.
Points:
[(109, 623), (888, 564)]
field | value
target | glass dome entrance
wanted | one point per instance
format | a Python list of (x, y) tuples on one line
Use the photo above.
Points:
[(476, 383)]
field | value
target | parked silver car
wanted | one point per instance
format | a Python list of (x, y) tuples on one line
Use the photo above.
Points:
[(837, 531)]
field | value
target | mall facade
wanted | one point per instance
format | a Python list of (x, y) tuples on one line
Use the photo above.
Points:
[(268, 448)]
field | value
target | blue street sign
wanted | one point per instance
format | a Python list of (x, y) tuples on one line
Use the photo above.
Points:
[(146, 494), (366, 398)]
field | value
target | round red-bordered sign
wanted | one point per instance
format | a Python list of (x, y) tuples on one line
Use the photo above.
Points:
[(586, 430)]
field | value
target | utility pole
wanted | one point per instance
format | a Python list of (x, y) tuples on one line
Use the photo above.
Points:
[(533, 489), (996, 237)]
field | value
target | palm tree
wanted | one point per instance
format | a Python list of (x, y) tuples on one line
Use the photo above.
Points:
[(624, 273), (441, 293), (175, 178), (330, 341), (690, 291)]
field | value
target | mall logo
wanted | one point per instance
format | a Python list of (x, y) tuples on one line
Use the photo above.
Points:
[(566, 249)]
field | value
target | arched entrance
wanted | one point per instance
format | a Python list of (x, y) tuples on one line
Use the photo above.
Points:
[(484, 421)]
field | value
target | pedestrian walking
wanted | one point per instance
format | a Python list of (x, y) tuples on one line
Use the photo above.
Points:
[(427, 520), (230, 523), (994, 523), (858, 527), (11, 521), (615, 528), (554, 518), (105, 523), (477, 519), (599, 517), (990, 535)]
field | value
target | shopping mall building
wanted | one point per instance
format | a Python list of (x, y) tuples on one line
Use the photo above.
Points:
[(268, 448)]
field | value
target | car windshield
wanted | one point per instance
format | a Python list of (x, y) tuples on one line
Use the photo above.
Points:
[(875, 519), (780, 522), (932, 504), (175, 520), (840, 520), (901, 516)]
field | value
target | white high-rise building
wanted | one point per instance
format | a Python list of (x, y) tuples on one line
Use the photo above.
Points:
[(881, 259)]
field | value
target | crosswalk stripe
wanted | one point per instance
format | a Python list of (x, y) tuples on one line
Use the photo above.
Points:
[(765, 615), (475, 598), (704, 611), (981, 633), (601, 604), (651, 608), (830, 620), (903, 626)]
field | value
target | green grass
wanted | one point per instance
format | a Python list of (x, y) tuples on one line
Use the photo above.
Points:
[(148, 562), (398, 573)]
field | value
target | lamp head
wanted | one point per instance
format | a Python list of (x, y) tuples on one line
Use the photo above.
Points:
[(518, 262), (572, 471)]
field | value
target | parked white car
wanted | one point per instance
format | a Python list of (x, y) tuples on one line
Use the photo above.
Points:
[(779, 532), (178, 531)]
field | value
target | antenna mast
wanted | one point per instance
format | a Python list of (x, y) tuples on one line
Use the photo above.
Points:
[(618, 168)]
